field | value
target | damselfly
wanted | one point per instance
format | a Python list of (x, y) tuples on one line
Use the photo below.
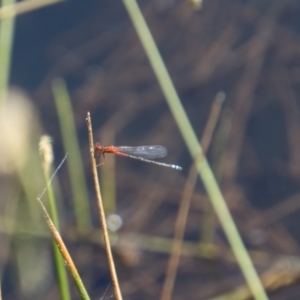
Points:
[(143, 153)]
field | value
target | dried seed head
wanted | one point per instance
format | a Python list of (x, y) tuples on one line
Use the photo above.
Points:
[(46, 151)]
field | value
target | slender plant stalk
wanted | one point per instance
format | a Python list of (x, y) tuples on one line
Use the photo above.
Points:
[(208, 218), (46, 152), (6, 40), (107, 246), (196, 151), (65, 254), (185, 204), (59, 262), (12, 10), (71, 145)]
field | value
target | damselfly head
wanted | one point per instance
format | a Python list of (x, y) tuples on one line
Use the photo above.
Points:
[(98, 149)]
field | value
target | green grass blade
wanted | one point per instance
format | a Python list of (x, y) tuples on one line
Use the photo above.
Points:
[(71, 145), (194, 147), (59, 262), (46, 152)]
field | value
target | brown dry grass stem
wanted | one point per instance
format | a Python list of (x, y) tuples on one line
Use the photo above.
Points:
[(107, 246), (65, 254), (186, 200)]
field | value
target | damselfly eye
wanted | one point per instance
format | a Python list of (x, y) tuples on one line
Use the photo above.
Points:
[(97, 146)]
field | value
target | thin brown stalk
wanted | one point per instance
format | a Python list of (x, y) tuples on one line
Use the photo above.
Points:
[(107, 246), (208, 216), (186, 200), (65, 254)]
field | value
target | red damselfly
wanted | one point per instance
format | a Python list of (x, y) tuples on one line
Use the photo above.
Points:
[(143, 153)]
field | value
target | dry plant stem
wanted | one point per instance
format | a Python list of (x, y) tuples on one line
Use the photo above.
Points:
[(274, 279), (208, 216), (111, 264), (185, 203), (9, 11), (203, 168), (0, 290), (65, 254)]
